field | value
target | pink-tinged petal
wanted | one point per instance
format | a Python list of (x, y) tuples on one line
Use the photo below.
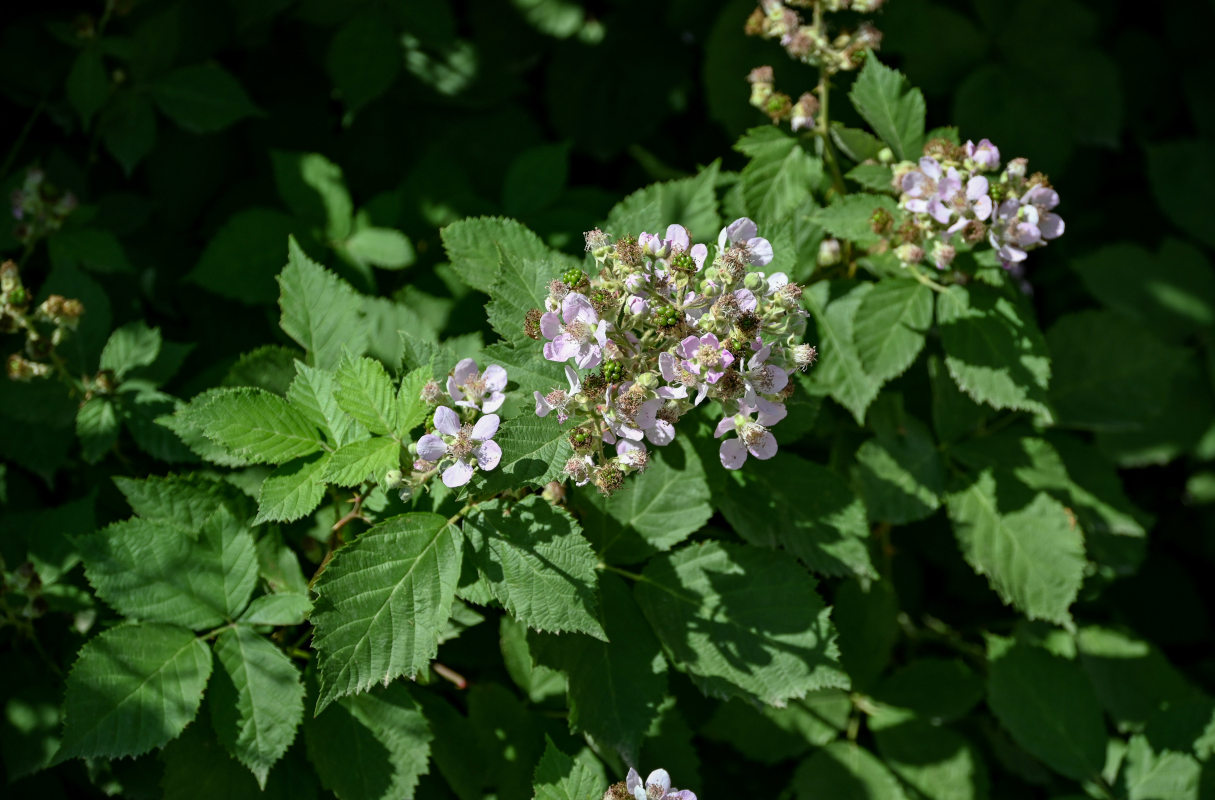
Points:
[(687, 348), (916, 206), (765, 448), (691, 366), (573, 306), (769, 413), (779, 378), (1042, 197), (588, 356), (563, 348), (649, 242), (777, 280), (485, 428), (746, 300), (447, 421), (488, 454), (465, 368), (678, 236), (760, 252), (1051, 225), (699, 253), (672, 392), (723, 427), (958, 225), (457, 474), (572, 377), (601, 332), (453, 389), (982, 208), (713, 375), (495, 377), (701, 392), (938, 211), (976, 187), (493, 402), (727, 358), (647, 414), (542, 406), (659, 778), (761, 354), (741, 229), (930, 167), (431, 447), (666, 365), (710, 340), (1008, 209), (1013, 254), (732, 454), (682, 794), (466, 404), (662, 434), (633, 780), (550, 325)]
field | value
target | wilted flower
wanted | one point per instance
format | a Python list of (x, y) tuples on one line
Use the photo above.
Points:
[(472, 389), (470, 446)]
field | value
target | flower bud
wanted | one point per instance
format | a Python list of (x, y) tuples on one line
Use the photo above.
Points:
[(647, 380), (393, 478), (1017, 168), (754, 281), (802, 115), (828, 252)]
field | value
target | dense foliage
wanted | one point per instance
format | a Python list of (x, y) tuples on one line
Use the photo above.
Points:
[(848, 455)]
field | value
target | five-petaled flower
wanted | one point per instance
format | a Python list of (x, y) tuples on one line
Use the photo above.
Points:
[(469, 446), (480, 390), (657, 786), (577, 333)]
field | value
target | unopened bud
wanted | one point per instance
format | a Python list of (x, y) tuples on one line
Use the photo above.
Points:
[(754, 281), (1017, 168), (828, 252), (393, 478)]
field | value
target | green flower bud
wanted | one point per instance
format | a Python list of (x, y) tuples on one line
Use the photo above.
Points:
[(754, 281)]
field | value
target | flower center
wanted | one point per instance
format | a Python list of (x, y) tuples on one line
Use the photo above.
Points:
[(464, 443)]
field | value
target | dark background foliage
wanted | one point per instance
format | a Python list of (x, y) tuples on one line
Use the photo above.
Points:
[(550, 112)]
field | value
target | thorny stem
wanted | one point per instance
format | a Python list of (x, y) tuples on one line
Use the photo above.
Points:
[(356, 512)]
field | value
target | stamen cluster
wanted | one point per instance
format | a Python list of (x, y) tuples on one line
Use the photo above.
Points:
[(45, 327), (662, 326)]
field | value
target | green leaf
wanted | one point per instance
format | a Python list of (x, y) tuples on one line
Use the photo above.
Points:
[(122, 673), (691, 202), (803, 507), (900, 474), (88, 84), (1091, 390), (364, 59), (954, 415), (1154, 773), (270, 367), (712, 601), (890, 324), (97, 427), (254, 424), (381, 247), (536, 563), (895, 111), (849, 217), (314, 394), (934, 762), (535, 178), (186, 501), (203, 98), (534, 452), (1178, 171), (865, 616), (293, 490), (845, 771), (243, 256), (1133, 679), (1171, 293), (840, 372), (153, 571), (993, 349), (404, 568), (313, 188), (934, 690), (859, 145), (476, 246), (372, 746), (128, 127), (667, 502), (365, 392), (874, 177), (779, 178), (411, 409), (131, 346), (770, 735), (90, 248), (283, 609), (559, 777), (370, 459), (1048, 706), (537, 681), (1032, 555), (257, 700), (320, 311), (630, 662)]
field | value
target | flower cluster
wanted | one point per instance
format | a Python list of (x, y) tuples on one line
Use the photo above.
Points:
[(780, 106), (663, 326), (45, 327), (657, 786), (812, 43), (39, 207), (460, 437), (962, 191)]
